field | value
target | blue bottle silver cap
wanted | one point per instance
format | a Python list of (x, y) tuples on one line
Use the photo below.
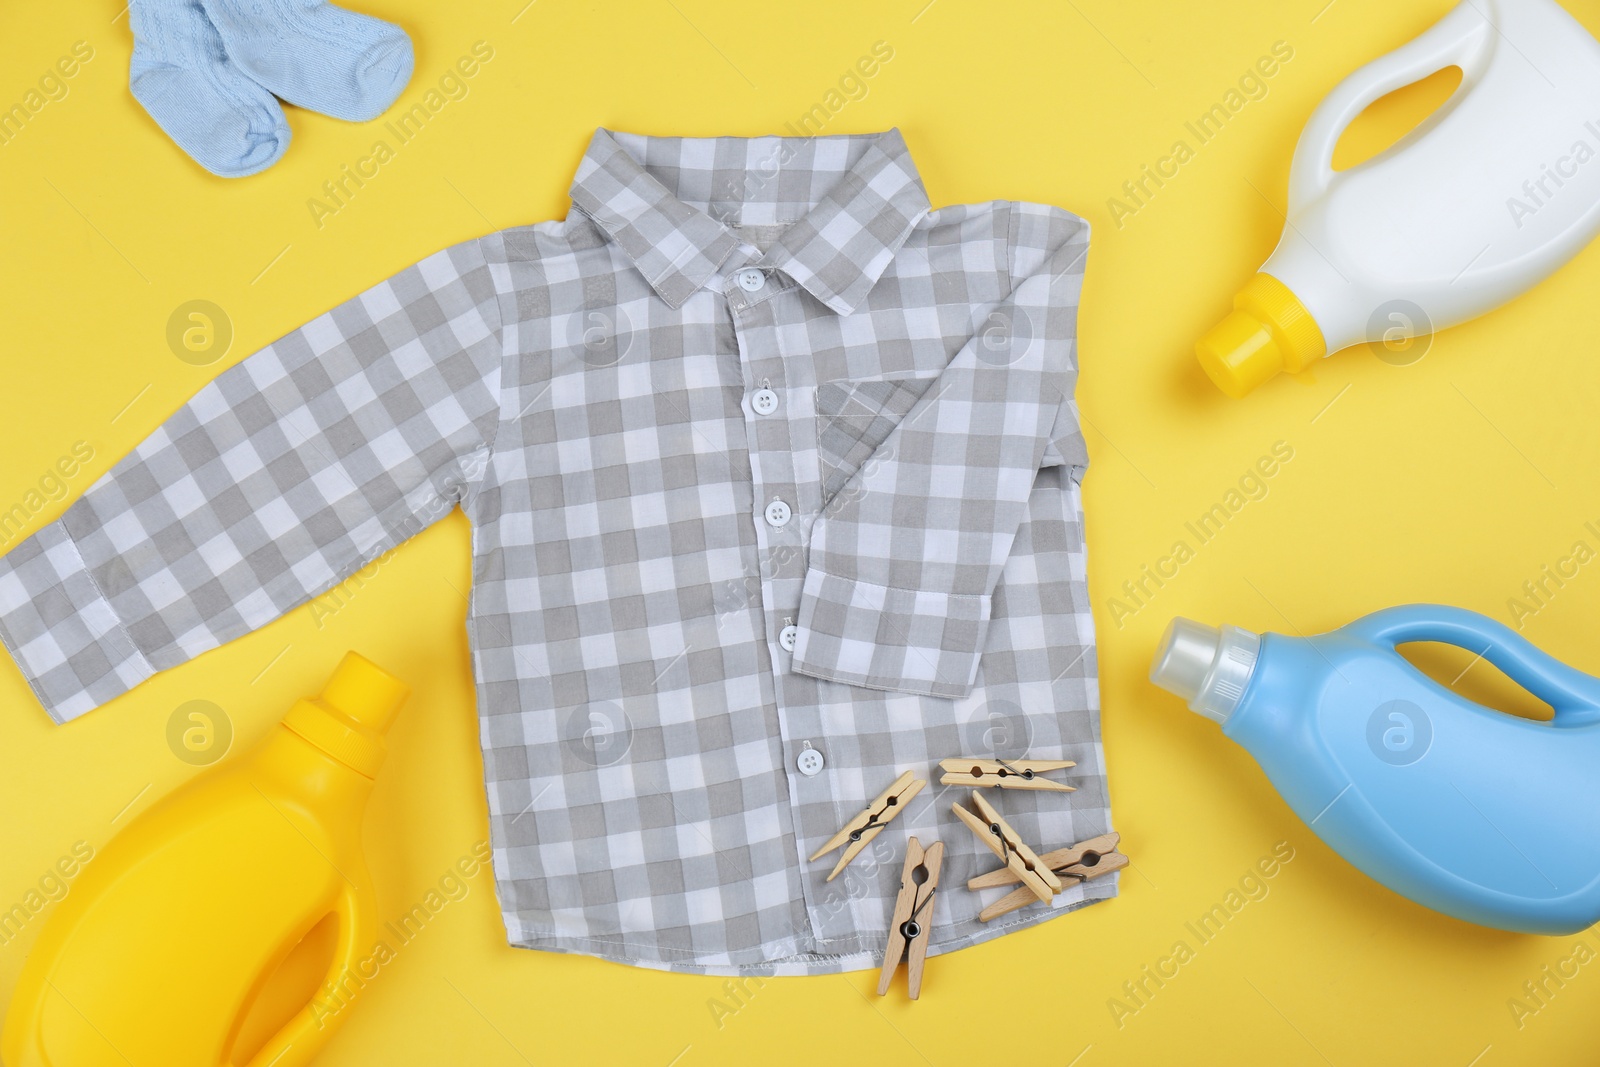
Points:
[(1209, 668)]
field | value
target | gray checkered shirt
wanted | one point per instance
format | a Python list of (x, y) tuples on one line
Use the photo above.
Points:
[(774, 480)]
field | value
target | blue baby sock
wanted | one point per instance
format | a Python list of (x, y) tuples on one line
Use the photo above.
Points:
[(230, 125), (318, 56)]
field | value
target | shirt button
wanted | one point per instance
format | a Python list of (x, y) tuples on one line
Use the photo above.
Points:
[(778, 513), (787, 637), (765, 401), (751, 280), (810, 762)]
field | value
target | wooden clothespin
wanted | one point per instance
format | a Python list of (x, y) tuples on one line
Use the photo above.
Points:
[(864, 827), (1003, 841), (1007, 774), (1083, 861), (908, 929)]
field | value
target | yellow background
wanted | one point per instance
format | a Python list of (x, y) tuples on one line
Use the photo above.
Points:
[(1454, 479)]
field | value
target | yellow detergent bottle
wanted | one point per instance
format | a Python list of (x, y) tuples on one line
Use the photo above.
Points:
[(174, 937)]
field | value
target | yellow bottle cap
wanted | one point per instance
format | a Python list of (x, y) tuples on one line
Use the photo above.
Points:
[(349, 718), (365, 692), (1269, 330)]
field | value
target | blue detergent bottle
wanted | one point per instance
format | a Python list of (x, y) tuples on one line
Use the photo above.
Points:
[(1473, 812)]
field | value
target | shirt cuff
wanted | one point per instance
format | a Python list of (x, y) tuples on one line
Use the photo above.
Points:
[(61, 630), (879, 637)]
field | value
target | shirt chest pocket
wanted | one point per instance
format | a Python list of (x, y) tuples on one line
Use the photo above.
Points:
[(854, 418)]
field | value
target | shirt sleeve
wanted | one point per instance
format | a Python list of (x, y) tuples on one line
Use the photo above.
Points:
[(905, 558), (282, 477)]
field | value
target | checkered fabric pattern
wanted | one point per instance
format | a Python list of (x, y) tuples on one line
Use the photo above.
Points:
[(762, 456)]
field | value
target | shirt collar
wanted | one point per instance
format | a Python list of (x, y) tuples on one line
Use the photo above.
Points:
[(847, 203)]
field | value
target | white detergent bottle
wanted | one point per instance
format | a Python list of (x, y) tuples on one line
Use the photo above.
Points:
[(1487, 196)]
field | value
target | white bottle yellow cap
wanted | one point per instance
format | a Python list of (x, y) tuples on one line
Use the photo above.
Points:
[(1268, 331)]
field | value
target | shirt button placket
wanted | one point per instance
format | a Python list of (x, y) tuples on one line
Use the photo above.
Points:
[(755, 297)]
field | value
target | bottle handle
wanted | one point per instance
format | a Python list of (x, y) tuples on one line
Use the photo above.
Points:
[(303, 1036), (1574, 695), (1455, 40)]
